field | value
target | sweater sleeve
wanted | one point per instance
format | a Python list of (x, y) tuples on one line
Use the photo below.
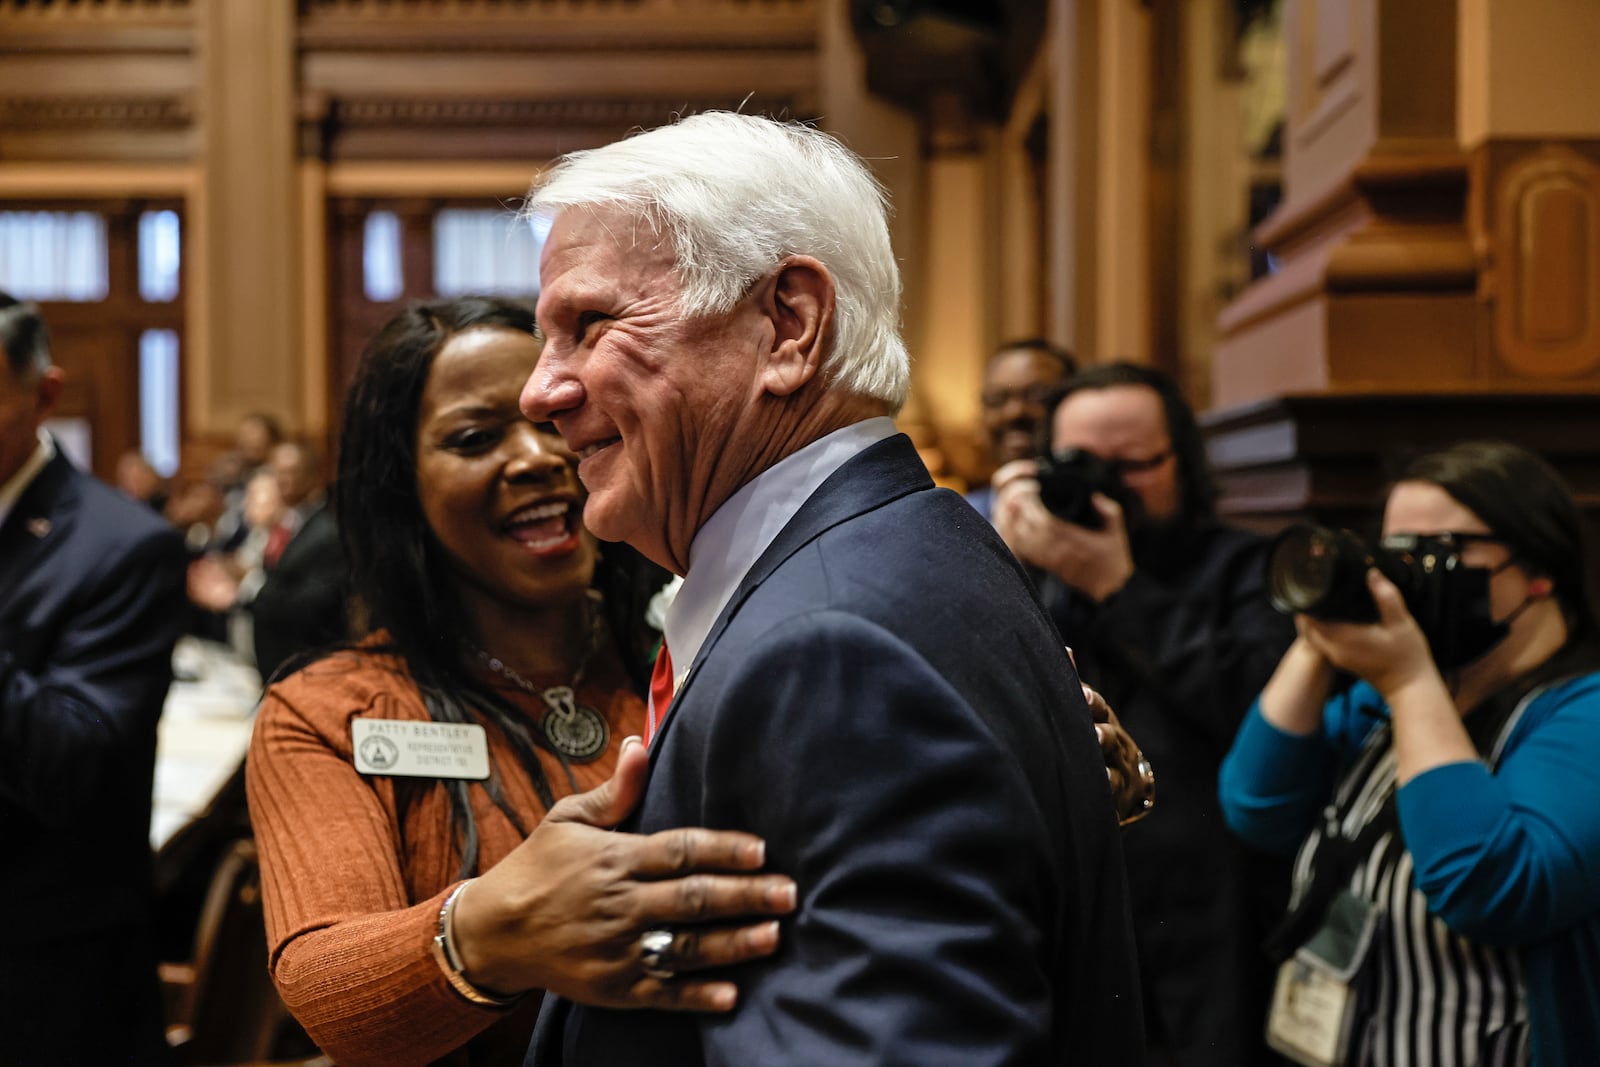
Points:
[(1513, 856), (1273, 784), (349, 952)]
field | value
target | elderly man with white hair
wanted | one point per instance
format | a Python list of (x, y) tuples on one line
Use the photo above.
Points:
[(855, 667)]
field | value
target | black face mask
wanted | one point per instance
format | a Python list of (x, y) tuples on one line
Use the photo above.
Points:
[(1450, 600)]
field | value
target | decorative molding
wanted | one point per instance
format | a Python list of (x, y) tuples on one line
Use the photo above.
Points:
[(173, 112), (379, 9), (36, 180), (1328, 56), (393, 129), (519, 25), (1544, 283), (97, 26), (63, 11), (427, 112)]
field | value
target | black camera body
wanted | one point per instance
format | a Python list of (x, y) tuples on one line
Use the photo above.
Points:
[(1069, 478), (1322, 572)]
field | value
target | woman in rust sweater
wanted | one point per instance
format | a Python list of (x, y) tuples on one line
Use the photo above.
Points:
[(423, 878)]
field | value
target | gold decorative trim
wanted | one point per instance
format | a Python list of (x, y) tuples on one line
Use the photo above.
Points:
[(444, 9), (389, 112), (57, 11), (518, 25), (96, 112)]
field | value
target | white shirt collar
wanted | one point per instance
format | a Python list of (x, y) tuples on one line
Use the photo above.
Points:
[(19, 482), (730, 542)]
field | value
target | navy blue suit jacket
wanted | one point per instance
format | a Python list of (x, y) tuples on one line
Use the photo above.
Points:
[(886, 704), (91, 601)]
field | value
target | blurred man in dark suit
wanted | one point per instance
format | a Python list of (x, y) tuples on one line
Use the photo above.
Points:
[(301, 604), (91, 602), (295, 600)]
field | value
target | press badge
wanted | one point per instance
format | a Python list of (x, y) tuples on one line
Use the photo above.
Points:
[(1311, 1015), (406, 748)]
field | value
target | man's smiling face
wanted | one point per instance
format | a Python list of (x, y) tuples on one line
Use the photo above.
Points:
[(654, 404)]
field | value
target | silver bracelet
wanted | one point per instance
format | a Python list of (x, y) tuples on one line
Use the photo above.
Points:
[(449, 960)]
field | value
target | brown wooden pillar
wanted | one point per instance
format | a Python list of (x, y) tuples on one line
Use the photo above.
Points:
[(1438, 255), (248, 267)]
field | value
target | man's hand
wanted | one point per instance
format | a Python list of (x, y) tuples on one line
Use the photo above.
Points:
[(1097, 563), (211, 586), (565, 910)]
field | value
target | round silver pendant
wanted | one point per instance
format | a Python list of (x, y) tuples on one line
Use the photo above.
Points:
[(575, 730)]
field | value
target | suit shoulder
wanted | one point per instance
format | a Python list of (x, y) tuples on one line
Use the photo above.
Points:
[(115, 519)]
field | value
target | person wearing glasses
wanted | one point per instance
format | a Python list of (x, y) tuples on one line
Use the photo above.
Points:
[(1166, 611), (1446, 805), (1019, 385)]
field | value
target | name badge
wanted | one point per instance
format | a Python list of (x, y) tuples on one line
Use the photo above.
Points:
[(1311, 1016), (409, 749)]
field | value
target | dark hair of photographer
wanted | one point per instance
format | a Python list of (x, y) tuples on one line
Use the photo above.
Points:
[(1525, 502), (1197, 488)]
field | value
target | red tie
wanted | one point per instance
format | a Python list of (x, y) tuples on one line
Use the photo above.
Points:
[(277, 540), (660, 693)]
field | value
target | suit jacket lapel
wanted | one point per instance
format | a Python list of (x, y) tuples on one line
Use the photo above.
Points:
[(40, 520), (882, 472)]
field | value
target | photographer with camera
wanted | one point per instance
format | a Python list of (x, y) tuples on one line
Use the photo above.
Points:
[(1166, 611), (1446, 804)]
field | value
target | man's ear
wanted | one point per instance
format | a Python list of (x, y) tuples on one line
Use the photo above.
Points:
[(799, 303), (49, 390)]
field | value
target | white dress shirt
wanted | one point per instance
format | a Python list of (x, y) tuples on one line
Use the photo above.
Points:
[(18, 483), (731, 541)]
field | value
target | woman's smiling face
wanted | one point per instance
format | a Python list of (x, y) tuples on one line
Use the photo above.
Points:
[(499, 493)]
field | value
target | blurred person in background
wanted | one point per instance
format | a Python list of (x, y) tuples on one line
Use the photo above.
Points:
[(255, 436), (497, 620), (91, 603), (1446, 806), (1020, 385), (139, 480), (1165, 609), (296, 603)]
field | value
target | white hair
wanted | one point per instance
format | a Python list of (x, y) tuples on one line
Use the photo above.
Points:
[(735, 194)]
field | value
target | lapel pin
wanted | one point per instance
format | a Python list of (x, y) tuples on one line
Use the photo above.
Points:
[(38, 527)]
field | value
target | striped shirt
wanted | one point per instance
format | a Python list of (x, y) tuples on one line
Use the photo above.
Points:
[(1439, 999)]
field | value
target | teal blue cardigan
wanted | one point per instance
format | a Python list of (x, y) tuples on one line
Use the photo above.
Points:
[(1504, 858)]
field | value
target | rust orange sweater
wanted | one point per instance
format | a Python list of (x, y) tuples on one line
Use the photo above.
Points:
[(355, 868)]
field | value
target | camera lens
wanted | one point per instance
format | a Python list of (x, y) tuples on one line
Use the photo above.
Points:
[(1302, 569)]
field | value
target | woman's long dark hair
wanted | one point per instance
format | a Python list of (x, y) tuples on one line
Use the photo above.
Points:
[(1528, 505), (398, 569)]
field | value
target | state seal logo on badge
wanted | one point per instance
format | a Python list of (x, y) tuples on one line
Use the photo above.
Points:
[(379, 752)]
